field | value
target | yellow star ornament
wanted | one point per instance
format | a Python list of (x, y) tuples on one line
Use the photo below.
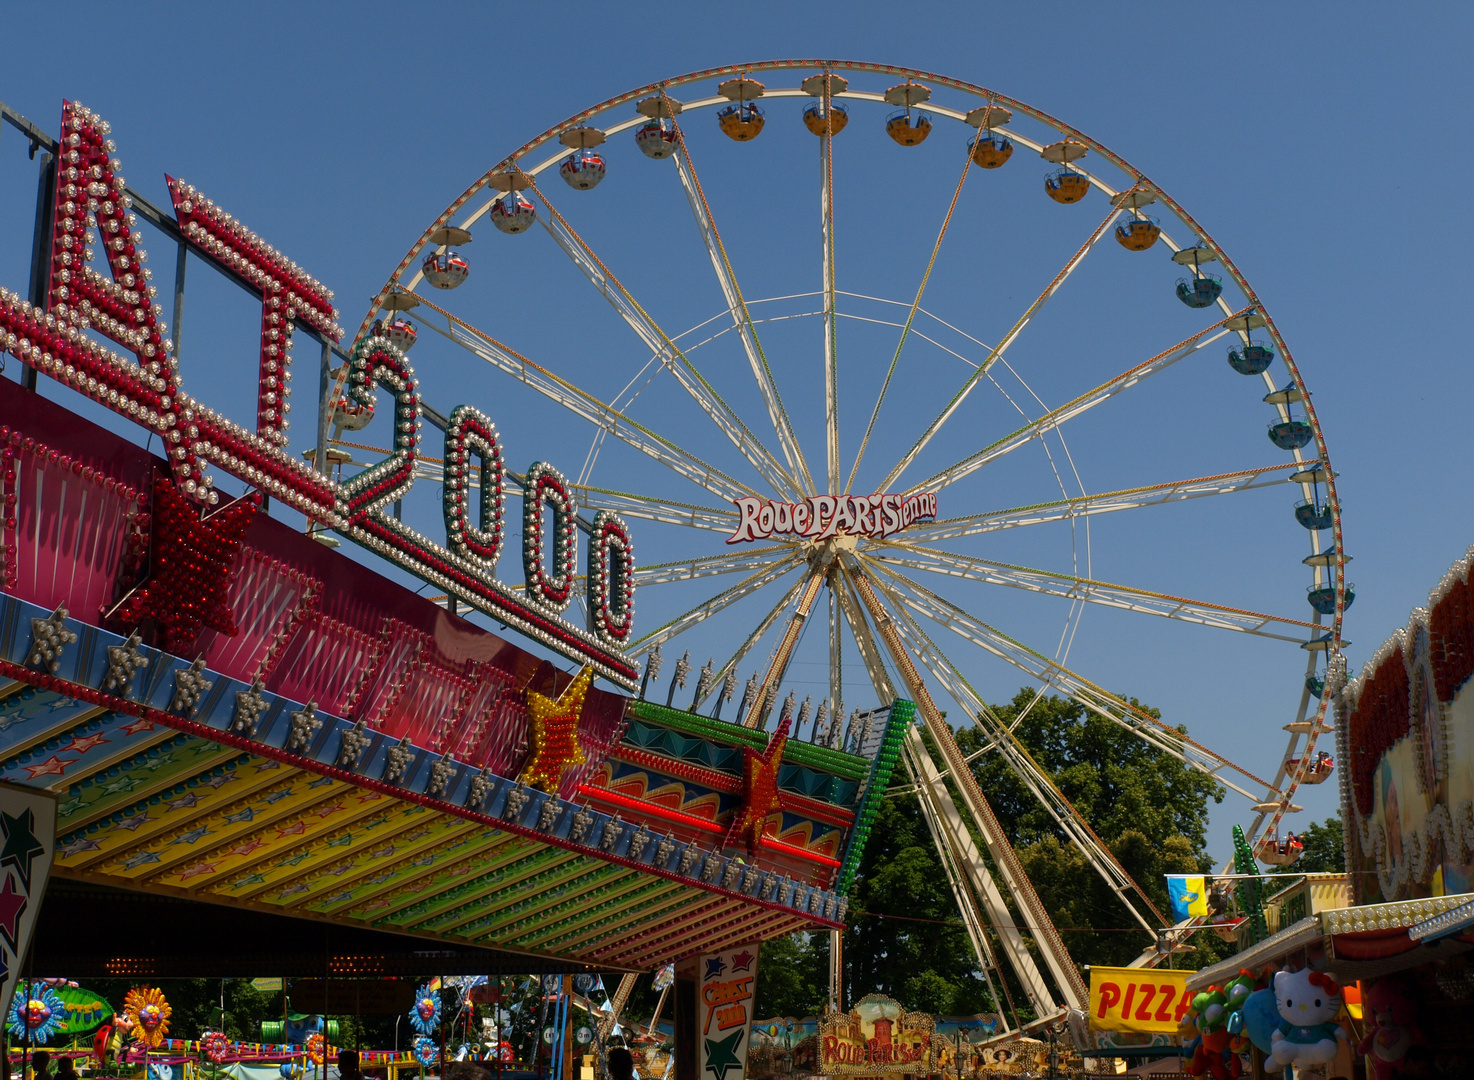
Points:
[(555, 733)]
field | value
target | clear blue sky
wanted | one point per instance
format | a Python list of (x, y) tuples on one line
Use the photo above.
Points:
[(1325, 147)]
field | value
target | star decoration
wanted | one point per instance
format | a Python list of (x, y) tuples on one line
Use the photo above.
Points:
[(440, 776), (323, 781), (192, 836), (721, 1054), (80, 745), (12, 903), (482, 785), (122, 662), (132, 823), (638, 842), (305, 724), (249, 846), (239, 816), (185, 801), (517, 798), (141, 859), (21, 845), (49, 638), (122, 785), (249, 705), (77, 847), (399, 759), (190, 685), (555, 733), (759, 790), (742, 961), (355, 741), (191, 569), (52, 766), (138, 726), (297, 828), (198, 869)]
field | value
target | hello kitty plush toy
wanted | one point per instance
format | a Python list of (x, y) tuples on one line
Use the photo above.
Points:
[(1307, 1035)]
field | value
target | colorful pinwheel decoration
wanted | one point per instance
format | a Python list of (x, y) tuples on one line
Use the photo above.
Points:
[(316, 1047), (426, 1051), (40, 1012), (426, 1014), (215, 1046), (147, 1014)]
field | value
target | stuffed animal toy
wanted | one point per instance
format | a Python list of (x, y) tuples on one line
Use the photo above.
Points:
[(1237, 994), (1307, 1035), (1211, 1054), (1392, 1029)]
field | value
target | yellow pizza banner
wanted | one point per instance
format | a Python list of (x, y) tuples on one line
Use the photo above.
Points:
[(1138, 999)]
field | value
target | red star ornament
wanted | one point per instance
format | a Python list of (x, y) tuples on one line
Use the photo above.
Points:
[(555, 734), (192, 569), (759, 791)]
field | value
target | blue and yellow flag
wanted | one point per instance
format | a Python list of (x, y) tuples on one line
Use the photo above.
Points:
[(1189, 895)]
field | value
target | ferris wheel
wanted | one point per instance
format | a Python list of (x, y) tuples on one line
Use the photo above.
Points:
[(857, 349)]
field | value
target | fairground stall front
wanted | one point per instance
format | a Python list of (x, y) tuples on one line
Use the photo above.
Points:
[(1395, 949)]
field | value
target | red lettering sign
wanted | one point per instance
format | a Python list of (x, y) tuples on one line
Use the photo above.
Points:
[(147, 390)]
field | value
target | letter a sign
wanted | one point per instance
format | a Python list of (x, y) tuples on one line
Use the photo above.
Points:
[(724, 1011)]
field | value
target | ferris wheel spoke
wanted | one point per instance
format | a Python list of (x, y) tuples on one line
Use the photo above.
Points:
[(741, 317), (1070, 821), (648, 508), (681, 623), (998, 350), (1099, 701), (663, 346), (733, 562), (910, 318), (1056, 418), (1070, 587), (587, 407), (784, 603), (783, 651), (831, 345), (1104, 503)]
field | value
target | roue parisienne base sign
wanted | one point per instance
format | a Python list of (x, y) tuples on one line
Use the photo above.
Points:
[(821, 516)]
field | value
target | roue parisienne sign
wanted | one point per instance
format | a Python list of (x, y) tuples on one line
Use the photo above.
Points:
[(820, 517)]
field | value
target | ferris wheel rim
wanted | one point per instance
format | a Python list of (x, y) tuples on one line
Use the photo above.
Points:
[(1285, 782)]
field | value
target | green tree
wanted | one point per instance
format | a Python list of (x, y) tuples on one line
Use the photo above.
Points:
[(906, 939), (1147, 807), (792, 976)]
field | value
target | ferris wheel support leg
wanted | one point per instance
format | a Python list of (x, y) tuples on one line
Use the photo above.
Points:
[(974, 917), (1031, 908), (784, 652), (955, 842)]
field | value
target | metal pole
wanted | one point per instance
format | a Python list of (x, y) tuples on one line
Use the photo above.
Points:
[(179, 262), (324, 406), (41, 250)]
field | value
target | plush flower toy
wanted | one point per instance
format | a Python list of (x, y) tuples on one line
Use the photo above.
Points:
[(1392, 1029), (1307, 1035)]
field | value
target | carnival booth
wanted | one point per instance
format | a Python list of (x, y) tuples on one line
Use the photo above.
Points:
[(1394, 954)]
